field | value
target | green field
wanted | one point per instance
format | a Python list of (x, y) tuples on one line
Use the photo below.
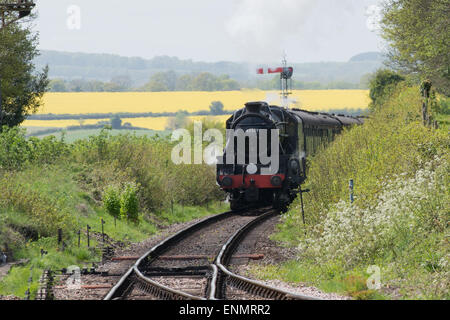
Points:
[(73, 135)]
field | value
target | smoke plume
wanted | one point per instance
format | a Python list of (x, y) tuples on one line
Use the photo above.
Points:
[(259, 28)]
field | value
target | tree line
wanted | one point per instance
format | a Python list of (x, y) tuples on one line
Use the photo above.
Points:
[(104, 67), (159, 82), (116, 84), (170, 81), (274, 84)]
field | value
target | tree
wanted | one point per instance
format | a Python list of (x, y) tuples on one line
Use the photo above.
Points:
[(216, 108), (162, 81), (204, 82), (57, 85), (169, 81), (21, 86), (116, 122), (382, 84), (364, 82), (184, 83), (179, 121), (123, 82), (418, 33)]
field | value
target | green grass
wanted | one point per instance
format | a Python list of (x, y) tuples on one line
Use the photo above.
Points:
[(328, 278), (443, 121), (34, 130), (73, 135), (188, 213)]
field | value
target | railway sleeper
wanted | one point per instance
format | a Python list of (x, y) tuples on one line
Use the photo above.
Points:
[(158, 291), (183, 271)]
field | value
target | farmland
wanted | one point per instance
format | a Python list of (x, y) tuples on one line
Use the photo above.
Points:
[(154, 123), (101, 102), (74, 135), (159, 102)]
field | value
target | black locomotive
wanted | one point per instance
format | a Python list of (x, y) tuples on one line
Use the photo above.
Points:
[(249, 179)]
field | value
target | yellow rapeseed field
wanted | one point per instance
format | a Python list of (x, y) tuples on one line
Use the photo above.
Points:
[(105, 102), (138, 102)]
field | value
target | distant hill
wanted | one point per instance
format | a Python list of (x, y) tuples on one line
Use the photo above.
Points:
[(104, 67), (368, 56)]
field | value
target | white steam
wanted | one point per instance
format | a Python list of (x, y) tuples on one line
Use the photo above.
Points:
[(261, 27)]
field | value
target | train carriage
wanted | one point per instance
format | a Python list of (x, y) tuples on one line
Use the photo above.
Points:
[(300, 135)]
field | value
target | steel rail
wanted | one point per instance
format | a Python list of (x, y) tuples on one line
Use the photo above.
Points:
[(243, 283), (124, 285), (219, 272)]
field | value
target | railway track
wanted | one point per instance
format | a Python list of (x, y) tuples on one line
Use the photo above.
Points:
[(192, 264)]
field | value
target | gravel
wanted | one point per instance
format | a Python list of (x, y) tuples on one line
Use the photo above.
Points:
[(9, 298), (259, 242)]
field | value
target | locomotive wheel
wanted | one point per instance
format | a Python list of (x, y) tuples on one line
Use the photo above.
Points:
[(236, 205)]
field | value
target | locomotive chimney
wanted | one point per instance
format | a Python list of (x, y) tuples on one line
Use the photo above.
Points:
[(254, 107)]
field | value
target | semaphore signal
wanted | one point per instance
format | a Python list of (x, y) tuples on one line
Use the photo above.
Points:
[(285, 80)]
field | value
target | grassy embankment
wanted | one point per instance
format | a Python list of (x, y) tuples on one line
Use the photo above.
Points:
[(48, 184), (400, 217)]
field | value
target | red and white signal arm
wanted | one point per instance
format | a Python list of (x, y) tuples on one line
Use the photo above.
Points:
[(285, 72)]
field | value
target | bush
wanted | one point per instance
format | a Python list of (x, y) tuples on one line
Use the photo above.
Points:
[(444, 105), (33, 194), (145, 162), (111, 201), (129, 203), (405, 208), (382, 84), (17, 151), (14, 148)]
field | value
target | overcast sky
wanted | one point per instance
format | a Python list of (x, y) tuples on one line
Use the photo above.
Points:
[(211, 30)]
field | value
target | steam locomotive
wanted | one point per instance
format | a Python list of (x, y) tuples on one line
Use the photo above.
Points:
[(260, 132)]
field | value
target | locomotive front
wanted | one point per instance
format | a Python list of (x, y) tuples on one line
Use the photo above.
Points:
[(253, 169)]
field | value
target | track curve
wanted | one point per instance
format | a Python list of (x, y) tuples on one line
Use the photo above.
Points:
[(191, 265)]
